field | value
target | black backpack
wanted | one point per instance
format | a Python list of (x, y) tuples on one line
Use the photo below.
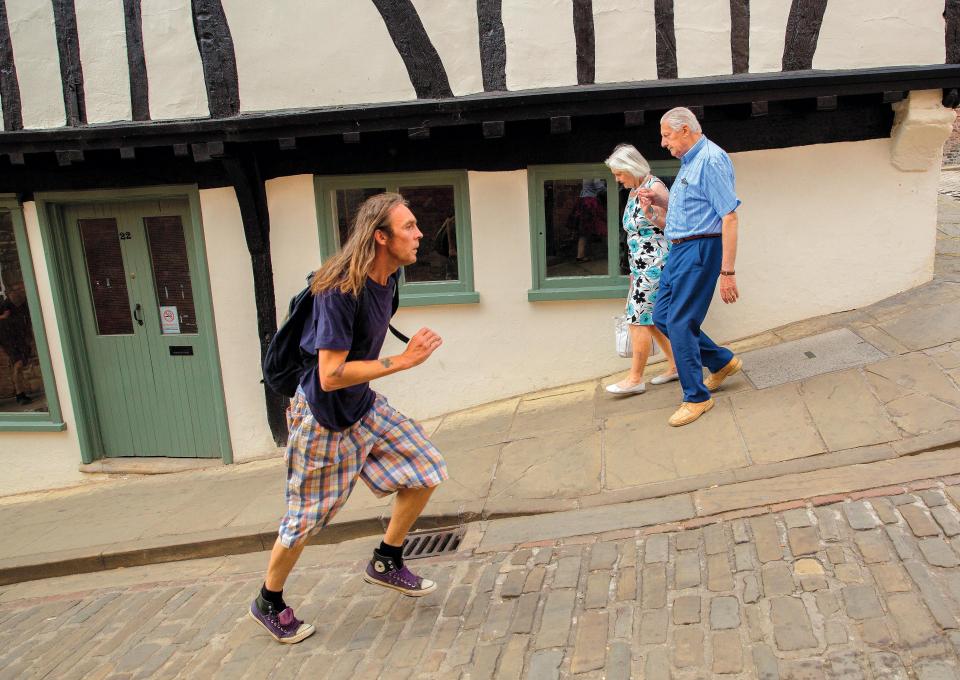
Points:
[(285, 363)]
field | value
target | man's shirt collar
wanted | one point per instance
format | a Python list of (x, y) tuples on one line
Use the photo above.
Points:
[(693, 150)]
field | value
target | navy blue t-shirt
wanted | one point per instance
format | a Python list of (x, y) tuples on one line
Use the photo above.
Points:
[(337, 325)]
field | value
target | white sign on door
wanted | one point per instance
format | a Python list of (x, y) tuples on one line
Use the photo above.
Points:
[(169, 321)]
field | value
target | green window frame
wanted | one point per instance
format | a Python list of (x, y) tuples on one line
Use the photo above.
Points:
[(51, 420), (412, 294), (595, 287)]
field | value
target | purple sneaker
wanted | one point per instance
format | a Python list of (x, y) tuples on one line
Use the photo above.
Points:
[(283, 626), (383, 571)]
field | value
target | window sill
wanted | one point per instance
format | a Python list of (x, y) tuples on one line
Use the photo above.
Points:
[(426, 299), (34, 426), (577, 293)]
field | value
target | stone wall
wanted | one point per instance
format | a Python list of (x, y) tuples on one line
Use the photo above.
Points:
[(951, 149)]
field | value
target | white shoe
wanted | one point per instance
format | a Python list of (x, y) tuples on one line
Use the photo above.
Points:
[(639, 388), (664, 378)]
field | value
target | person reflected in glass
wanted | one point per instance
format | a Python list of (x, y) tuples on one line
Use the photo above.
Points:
[(445, 244), (589, 216), (15, 343), (643, 222)]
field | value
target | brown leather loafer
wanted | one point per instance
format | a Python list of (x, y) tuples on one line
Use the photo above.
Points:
[(714, 380), (689, 411)]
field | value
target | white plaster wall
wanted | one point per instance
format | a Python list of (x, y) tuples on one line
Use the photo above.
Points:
[(859, 34), (768, 30), (541, 48), (34, 461), (334, 52), (626, 41), (231, 287), (826, 228), (34, 41), (103, 56), (174, 69), (703, 38), (294, 239), (454, 30)]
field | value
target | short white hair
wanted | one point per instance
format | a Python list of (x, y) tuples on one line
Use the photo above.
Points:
[(678, 117), (626, 158)]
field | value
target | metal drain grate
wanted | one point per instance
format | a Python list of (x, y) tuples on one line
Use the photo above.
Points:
[(433, 542)]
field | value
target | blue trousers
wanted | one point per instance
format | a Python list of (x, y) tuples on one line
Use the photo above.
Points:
[(686, 289)]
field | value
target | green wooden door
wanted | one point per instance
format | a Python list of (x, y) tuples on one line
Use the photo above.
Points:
[(143, 330)]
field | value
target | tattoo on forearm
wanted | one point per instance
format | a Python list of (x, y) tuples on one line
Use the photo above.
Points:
[(385, 362), (338, 371)]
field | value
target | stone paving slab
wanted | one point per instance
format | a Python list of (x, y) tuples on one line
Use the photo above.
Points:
[(828, 481), (925, 327), (641, 448), (792, 361), (636, 602), (571, 523)]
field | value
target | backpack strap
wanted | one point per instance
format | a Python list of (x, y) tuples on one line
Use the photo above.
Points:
[(395, 277), (396, 304)]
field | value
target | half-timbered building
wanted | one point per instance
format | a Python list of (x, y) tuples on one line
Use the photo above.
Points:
[(170, 171)]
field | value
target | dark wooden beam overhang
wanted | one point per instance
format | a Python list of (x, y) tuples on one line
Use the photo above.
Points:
[(279, 127)]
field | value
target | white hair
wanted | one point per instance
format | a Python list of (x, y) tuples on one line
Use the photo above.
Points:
[(625, 158), (678, 117)]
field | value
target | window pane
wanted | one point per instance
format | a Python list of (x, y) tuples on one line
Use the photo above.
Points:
[(576, 226), (107, 276), (435, 211), (21, 382), (348, 202), (171, 274)]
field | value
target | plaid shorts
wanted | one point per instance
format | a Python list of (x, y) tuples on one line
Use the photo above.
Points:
[(385, 449)]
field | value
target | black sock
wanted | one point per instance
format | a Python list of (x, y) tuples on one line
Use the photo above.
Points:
[(275, 598), (392, 551)]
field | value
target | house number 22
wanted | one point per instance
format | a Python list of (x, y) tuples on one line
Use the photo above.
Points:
[(124, 235)]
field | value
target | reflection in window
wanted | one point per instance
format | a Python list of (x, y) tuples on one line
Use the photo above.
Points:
[(576, 226), (107, 276), (348, 203), (434, 209), (21, 382), (171, 274)]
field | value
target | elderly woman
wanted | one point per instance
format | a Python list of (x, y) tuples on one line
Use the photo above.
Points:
[(643, 221)]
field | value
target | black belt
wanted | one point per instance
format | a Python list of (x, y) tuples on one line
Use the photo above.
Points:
[(675, 241)]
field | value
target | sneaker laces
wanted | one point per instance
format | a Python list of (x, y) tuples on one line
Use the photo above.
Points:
[(286, 619)]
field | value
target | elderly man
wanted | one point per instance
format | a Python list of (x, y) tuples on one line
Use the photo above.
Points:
[(702, 228)]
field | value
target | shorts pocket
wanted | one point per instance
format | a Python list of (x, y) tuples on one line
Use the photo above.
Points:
[(314, 444), (294, 417)]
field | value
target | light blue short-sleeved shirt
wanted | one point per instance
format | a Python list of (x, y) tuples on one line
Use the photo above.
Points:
[(702, 193)]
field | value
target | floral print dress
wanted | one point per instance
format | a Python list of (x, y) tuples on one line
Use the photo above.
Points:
[(648, 248)]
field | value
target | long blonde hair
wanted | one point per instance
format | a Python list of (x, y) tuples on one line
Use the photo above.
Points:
[(348, 269)]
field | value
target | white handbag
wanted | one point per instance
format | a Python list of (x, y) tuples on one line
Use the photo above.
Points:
[(622, 338)]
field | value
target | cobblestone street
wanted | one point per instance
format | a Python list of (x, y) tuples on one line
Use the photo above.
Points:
[(863, 586)]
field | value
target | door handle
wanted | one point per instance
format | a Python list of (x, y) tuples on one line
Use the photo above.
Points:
[(138, 314)]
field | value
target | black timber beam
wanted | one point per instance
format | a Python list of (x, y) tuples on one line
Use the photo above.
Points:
[(574, 101), (523, 143), (243, 172)]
